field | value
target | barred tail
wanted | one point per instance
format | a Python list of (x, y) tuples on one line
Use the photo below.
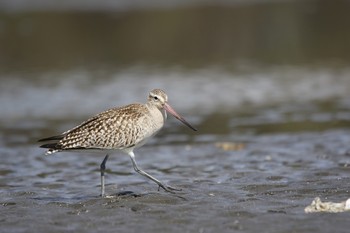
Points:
[(52, 147)]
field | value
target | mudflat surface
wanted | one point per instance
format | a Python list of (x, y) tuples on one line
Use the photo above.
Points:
[(267, 184)]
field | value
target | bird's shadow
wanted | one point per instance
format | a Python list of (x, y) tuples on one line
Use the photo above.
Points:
[(122, 195), (131, 194)]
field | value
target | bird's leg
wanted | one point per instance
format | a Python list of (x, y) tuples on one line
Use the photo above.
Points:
[(141, 172), (103, 168)]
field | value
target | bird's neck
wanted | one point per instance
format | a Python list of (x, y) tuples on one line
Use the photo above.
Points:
[(156, 111)]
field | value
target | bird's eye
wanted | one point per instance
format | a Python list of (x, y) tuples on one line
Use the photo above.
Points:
[(155, 97)]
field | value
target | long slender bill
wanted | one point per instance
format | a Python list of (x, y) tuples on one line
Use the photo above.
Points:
[(169, 109)]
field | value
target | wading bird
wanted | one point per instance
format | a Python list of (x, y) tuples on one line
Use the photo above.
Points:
[(124, 128)]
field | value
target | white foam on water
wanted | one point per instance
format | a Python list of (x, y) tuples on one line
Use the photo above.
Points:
[(82, 93)]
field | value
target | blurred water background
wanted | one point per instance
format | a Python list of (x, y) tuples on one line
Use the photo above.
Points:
[(272, 77)]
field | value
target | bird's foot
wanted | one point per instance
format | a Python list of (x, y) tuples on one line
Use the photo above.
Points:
[(168, 188), (104, 196)]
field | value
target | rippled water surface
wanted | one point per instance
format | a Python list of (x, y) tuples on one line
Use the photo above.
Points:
[(271, 137)]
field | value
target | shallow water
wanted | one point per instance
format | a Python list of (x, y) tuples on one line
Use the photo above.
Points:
[(271, 137), (268, 183)]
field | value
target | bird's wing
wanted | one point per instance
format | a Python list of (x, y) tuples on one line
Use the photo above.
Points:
[(116, 128)]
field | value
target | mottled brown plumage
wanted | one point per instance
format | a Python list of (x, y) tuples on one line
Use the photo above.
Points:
[(117, 128), (122, 128)]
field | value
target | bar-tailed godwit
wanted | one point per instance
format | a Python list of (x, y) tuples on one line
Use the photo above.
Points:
[(124, 128)]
